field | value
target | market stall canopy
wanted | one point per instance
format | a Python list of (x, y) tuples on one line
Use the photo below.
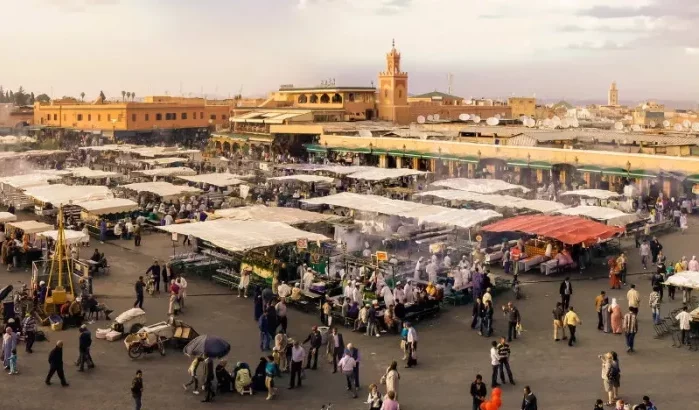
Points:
[(500, 201), (162, 189), (53, 172), (342, 169), (567, 229), (303, 178), (29, 180), (291, 216), (7, 217), (221, 180), (599, 213), (592, 193), (241, 236), (108, 206), (685, 279), (481, 186), (30, 227), (167, 172), (164, 161), (423, 213), (85, 172), (71, 237), (61, 194), (380, 174)]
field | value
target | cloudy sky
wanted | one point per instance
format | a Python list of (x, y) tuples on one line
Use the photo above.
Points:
[(552, 48)]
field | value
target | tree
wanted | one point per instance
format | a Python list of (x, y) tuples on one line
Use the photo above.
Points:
[(43, 98), (128, 95), (2, 95), (133, 95), (123, 95), (20, 97), (82, 96), (102, 97), (31, 99)]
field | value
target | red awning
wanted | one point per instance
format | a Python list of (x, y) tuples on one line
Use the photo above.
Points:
[(567, 229)]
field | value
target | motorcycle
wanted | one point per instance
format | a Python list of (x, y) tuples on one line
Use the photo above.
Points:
[(145, 344)]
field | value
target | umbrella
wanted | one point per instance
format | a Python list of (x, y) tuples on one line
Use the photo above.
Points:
[(209, 346)]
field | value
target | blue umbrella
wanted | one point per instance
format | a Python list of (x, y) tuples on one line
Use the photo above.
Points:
[(209, 346)]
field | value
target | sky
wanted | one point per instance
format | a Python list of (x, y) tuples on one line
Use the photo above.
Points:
[(553, 49)]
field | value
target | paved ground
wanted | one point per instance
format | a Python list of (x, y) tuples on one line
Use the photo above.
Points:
[(450, 353)]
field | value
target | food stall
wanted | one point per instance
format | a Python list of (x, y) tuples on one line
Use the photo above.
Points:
[(480, 186), (109, 208), (166, 173), (49, 197), (605, 215), (13, 188), (85, 175), (217, 186), (507, 204), (163, 190), (25, 235)]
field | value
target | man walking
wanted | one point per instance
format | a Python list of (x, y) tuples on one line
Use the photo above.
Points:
[(529, 400), (513, 320), (29, 327), (630, 328), (154, 270), (137, 234), (504, 359), (558, 322), (137, 389), (316, 340), (208, 380), (566, 290), (84, 343), (685, 318), (621, 263), (634, 298), (412, 345), (645, 254), (297, 355), (265, 337), (336, 346), (280, 308), (654, 302), (56, 364), (346, 366), (478, 392), (354, 352), (599, 302), (138, 287), (571, 320), (495, 363)]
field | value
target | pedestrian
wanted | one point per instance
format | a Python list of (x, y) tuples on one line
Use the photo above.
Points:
[(392, 378), (56, 364), (633, 297), (645, 254), (630, 328), (372, 323), (487, 322), (192, 372), (29, 328), (280, 307), (599, 302), (164, 271), (495, 363), (655, 248), (271, 371), (297, 355), (9, 342), (599, 404), (504, 360), (649, 404), (572, 321), (137, 389), (208, 380), (137, 234), (529, 400), (478, 392), (654, 303), (281, 345), (354, 352), (390, 402), (685, 319), (621, 263), (374, 400), (610, 377), (346, 366), (138, 287), (182, 283), (558, 315), (84, 343), (336, 346), (244, 282), (566, 291), (477, 314), (656, 281), (12, 361), (513, 320), (316, 340), (265, 337), (412, 346), (606, 316), (154, 270)]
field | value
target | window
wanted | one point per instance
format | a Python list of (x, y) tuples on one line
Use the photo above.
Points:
[(147, 117), (158, 117), (213, 116), (314, 99), (400, 93), (133, 117), (194, 115), (109, 117), (385, 93), (89, 117), (55, 117), (337, 99), (80, 117), (350, 97), (183, 116), (49, 117), (223, 117), (201, 115), (303, 99), (324, 99)]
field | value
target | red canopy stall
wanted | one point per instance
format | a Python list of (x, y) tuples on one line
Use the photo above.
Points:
[(570, 230)]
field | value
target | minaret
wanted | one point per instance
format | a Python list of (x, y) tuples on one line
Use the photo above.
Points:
[(613, 96), (393, 90)]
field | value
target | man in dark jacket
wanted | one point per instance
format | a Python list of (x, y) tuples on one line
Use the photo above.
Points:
[(208, 380), (272, 320), (513, 319), (84, 343), (154, 269), (316, 340), (478, 392), (56, 364), (336, 346), (265, 337), (138, 287), (655, 248), (137, 389), (529, 400), (566, 291)]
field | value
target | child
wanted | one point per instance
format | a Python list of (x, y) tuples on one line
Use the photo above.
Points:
[(13, 362)]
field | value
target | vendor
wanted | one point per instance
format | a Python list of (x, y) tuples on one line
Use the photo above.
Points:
[(296, 292), (408, 292), (308, 279), (418, 268), (284, 290), (387, 295), (367, 250)]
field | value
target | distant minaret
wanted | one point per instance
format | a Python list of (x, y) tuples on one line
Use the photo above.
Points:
[(613, 97)]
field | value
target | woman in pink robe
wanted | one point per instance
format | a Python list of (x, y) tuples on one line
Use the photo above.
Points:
[(615, 309)]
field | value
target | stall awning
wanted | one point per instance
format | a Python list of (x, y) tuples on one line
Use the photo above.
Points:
[(60, 194), (167, 172), (380, 174), (641, 173), (481, 186), (316, 148), (352, 150), (615, 171), (108, 206), (303, 178), (592, 193), (499, 201), (71, 237), (567, 229), (162, 189), (85, 172), (7, 217), (221, 180), (291, 216), (693, 178), (589, 168), (30, 227), (531, 164)]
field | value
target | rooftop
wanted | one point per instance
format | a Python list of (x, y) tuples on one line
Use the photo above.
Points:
[(437, 95)]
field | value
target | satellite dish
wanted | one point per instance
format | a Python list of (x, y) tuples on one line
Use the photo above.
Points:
[(652, 124), (636, 127), (435, 117), (498, 116), (666, 123), (548, 123), (618, 126), (463, 117), (430, 118), (565, 123), (523, 119), (678, 127), (492, 121), (686, 123), (421, 119), (476, 119), (556, 121), (695, 127)]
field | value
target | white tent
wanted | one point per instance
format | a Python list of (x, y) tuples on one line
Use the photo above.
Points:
[(291, 216), (221, 180), (162, 189), (85, 172), (594, 212), (241, 236), (481, 186), (108, 206), (592, 193), (380, 174), (499, 201), (61, 194), (30, 227), (167, 172), (29, 180), (303, 178), (71, 237), (165, 161), (7, 217), (342, 169), (686, 279)]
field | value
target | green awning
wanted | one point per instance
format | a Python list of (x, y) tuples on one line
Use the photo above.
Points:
[(408, 154), (615, 171), (379, 151), (473, 160), (315, 148), (352, 150), (641, 173), (589, 168), (693, 178)]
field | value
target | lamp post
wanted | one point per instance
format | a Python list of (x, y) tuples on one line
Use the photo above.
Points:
[(114, 121)]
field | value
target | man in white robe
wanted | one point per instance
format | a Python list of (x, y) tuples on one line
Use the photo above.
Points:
[(398, 293), (387, 296), (308, 279), (418, 268), (408, 291)]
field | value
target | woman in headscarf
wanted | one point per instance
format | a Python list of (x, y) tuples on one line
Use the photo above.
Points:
[(606, 316), (257, 300), (9, 343), (392, 378), (224, 379), (693, 265), (242, 377), (616, 316), (258, 380)]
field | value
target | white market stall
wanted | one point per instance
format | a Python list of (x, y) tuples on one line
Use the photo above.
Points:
[(381, 174), (162, 189), (166, 172), (29, 180), (87, 173), (591, 193), (497, 201), (108, 206), (609, 216), (685, 279), (61, 194), (71, 237), (309, 179), (221, 180), (290, 216), (29, 227), (7, 217), (480, 186), (165, 161)]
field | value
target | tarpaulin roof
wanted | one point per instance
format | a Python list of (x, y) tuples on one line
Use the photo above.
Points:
[(85, 172), (592, 193), (162, 189), (108, 206), (222, 179), (7, 217), (29, 180), (502, 201), (481, 186), (685, 279), (567, 229), (291, 216), (379, 174), (167, 172), (303, 178), (71, 237), (61, 194), (30, 227)]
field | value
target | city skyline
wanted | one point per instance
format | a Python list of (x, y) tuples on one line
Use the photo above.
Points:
[(566, 49)]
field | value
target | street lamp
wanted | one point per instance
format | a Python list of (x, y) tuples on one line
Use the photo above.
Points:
[(114, 121)]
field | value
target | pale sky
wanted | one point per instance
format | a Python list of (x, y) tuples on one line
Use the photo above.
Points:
[(494, 48)]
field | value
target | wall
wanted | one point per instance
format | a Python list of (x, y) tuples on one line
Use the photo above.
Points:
[(522, 106), (452, 112)]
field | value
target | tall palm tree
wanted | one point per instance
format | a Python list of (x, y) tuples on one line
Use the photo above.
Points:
[(123, 95), (82, 96), (133, 95), (128, 95)]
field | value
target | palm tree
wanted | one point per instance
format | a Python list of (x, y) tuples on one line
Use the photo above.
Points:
[(82, 96), (133, 95), (128, 95), (123, 95)]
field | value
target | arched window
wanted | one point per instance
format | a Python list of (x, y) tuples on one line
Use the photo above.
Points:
[(324, 99), (337, 98), (385, 93), (350, 97), (303, 99), (314, 99), (400, 93)]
